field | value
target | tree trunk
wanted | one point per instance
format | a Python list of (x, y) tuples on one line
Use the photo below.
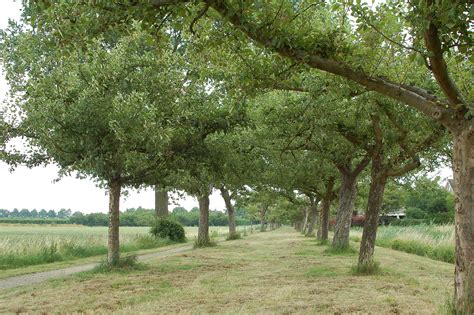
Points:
[(347, 198), (230, 212), (323, 230), (306, 220), (374, 204), (113, 253), (263, 211), (313, 217), (463, 165), (203, 230), (161, 201)]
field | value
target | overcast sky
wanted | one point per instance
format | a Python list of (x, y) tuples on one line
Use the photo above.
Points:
[(34, 188)]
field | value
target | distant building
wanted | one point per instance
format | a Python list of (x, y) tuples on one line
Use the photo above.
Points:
[(386, 218)]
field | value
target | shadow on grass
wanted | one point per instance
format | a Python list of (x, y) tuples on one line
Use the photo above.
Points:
[(323, 272), (346, 251)]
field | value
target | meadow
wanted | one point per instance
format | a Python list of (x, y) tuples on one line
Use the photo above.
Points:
[(433, 241), (277, 272), (28, 245)]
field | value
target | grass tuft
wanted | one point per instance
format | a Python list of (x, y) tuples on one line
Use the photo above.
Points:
[(205, 243), (236, 236), (449, 307), (124, 264), (371, 268)]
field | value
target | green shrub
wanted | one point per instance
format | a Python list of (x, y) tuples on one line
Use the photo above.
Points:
[(415, 213), (165, 228)]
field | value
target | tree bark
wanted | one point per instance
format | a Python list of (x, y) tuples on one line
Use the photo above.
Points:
[(161, 201), (463, 165), (374, 204), (203, 230), (313, 216), (306, 219), (113, 253), (263, 211), (323, 230), (230, 212), (347, 198)]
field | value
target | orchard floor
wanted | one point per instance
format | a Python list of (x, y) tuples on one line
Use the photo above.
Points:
[(277, 272)]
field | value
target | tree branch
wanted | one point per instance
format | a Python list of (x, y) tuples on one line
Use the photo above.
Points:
[(440, 69), (394, 172), (383, 86)]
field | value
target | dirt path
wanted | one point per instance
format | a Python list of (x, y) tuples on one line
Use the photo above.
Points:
[(32, 278)]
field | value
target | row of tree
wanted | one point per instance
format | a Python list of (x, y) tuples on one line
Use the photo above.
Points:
[(145, 217), (25, 213), (285, 107)]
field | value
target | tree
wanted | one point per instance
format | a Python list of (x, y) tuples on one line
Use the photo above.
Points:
[(24, 213), (43, 213), (34, 213), (64, 213), (106, 118), (289, 118)]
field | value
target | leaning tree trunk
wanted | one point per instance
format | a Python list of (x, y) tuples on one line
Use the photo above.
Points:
[(313, 217), (113, 253), (323, 230), (374, 204), (203, 230), (161, 201), (463, 165), (230, 212), (347, 198)]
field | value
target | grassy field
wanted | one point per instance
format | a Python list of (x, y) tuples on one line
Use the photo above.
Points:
[(278, 272), (433, 241), (27, 245)]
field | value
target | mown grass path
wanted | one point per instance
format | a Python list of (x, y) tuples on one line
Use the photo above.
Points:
[(277, 272), (38, 277)]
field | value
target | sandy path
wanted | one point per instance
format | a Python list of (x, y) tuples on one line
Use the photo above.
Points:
[(32, 278)]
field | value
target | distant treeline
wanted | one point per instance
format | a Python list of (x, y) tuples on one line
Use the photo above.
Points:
[(130, 217), (42, 214)]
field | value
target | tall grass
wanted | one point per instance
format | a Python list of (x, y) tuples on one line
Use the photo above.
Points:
[(27, 245), (18, 253), (433, 241)]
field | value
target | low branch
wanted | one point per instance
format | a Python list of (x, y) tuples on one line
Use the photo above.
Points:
[(394, 172)]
